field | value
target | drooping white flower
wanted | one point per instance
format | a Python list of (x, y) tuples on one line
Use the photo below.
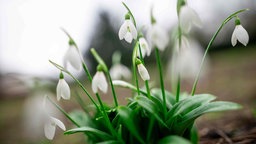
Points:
[(240, 34), (186, 59), (127, 31), (145, 50), (63, 90), (119, 71), (158, 37), (189, 17), (50, 127), (143, 72), (99, 82), (72, 56)]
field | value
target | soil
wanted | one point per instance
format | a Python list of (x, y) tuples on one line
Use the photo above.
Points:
[(238, 128)]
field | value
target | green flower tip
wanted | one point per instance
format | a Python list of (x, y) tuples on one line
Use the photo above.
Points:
[(137, 61), (100, 68), (127, 16), (71, 42), (61, 75), (237, 21), (153, 20)]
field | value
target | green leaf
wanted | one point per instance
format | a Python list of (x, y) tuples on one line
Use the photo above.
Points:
[(89, 130), (187, 105), (211, 107), (150, 107), (187, 120), (127, 118), (170, 98), (173, 140)]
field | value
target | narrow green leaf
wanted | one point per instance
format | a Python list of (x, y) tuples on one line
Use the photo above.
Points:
[(90, 130), (173, 139), (190, 117), (190, 103), (151, 107), (211, 107), (127, 117), (170, 98)]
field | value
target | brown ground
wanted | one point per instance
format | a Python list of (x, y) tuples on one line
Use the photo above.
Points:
[(232, 77)]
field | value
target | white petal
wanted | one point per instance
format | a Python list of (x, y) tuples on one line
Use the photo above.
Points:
[(188, 16), (132, 29), (233, 38), (95, 82), (63, 90), (72, 56), (103, 85), (144, 47), (119, 71), (128, 37), (159, 37), (123, 30), (49, 129), (58, 123), (242, 35), (143, 72), (99, 82)]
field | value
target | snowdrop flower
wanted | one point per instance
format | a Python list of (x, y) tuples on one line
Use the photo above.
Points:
[(73, 57), (188, 17), (119, 71), (127, 30), (239, 34), (158, 37), (142, 70), (186, 60), (145, 50), (99, 82), (50, 127), (63, 90)]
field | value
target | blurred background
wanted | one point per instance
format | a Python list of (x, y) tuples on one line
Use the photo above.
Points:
[(30, 35)]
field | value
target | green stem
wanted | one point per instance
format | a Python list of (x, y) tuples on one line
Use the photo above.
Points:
[(112, 88), (65, 113), (134, 55), (81, 102), (133, 19), (158, 60), (76, 80), (150, 128), (105, 116), (178, 89), (210, 44), (87, 71)]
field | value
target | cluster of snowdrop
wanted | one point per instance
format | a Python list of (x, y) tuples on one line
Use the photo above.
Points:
[(157, 39)]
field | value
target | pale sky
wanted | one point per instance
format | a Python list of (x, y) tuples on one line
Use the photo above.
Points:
[(30, 32)]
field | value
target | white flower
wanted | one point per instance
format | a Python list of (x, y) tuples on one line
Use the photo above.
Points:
[(63, 90), (73, 57), (143, 72), (118, 71), (241, 35), (158, 37), (145, 50), (187, 58), (99, 82), (127, 31), (50, 127), (189, 17)]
